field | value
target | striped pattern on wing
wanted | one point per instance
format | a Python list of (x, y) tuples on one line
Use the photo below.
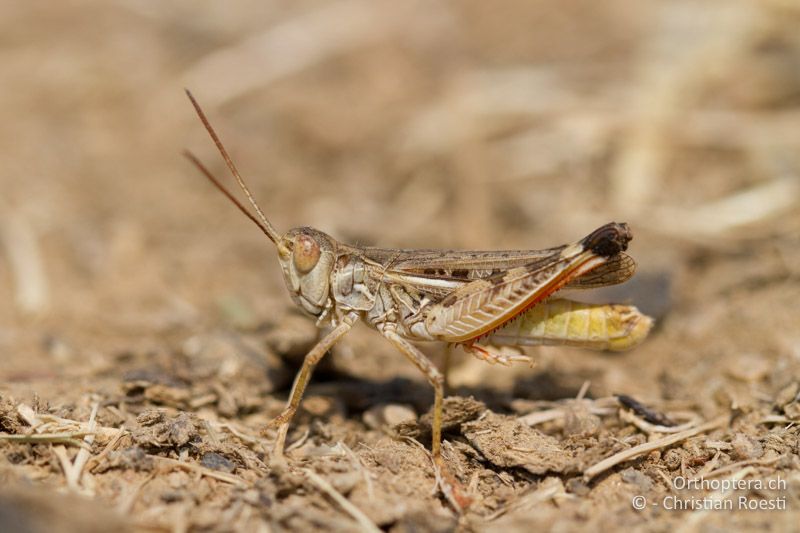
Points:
[(485, 304), (441, 272)]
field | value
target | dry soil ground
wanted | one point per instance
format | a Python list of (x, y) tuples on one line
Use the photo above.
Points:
[(146, 336)]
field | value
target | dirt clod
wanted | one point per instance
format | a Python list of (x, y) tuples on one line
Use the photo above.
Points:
[(456, 411), (9, 418), (132, 458), (159, 430), (507, 443), (745, 447)]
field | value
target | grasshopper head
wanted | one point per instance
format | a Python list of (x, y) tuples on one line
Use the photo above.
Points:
[(307, 258)]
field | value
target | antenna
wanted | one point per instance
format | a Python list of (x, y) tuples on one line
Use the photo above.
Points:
[(262, 221), (191, 157)]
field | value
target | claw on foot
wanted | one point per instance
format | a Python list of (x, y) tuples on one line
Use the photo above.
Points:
[(452, 490), (493, 358)]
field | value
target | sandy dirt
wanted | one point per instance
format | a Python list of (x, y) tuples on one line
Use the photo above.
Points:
[(147, 338)]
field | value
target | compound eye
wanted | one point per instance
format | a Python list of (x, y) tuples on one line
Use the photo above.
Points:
[(306, 253)]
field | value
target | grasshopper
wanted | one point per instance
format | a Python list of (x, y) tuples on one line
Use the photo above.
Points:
[(457, 297)]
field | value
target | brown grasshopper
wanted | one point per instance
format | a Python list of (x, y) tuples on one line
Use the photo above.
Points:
[(458, 297)]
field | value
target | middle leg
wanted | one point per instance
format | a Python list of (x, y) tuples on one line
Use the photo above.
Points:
[(434, 377)]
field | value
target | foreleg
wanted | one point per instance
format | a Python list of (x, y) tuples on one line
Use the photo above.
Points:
[(313, 357)]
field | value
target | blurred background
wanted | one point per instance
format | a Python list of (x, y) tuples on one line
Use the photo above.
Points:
[(434, 124), (515, 124)]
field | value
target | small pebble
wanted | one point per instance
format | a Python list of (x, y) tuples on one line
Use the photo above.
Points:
[(787, 394), (216, 461), (745, 447), (642, 482), (388, 415), (750, 368)]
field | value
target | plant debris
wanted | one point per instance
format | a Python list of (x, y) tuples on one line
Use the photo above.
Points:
[(147, 340)]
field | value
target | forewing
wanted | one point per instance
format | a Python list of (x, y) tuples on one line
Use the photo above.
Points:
[(438, 273), (485, 304), (456, 265)]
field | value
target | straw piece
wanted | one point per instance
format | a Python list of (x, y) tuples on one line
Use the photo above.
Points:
[(31, 292), (357, 515), (647, 447)]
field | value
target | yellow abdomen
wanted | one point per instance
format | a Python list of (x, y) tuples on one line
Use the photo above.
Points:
[(599, 326)]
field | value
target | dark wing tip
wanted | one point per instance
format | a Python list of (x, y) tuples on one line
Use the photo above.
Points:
[(609, 240)]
